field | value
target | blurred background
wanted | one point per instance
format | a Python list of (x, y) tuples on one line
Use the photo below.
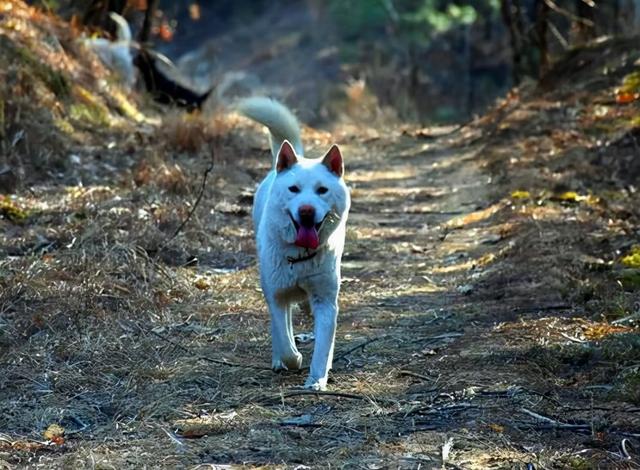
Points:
[(374, 61)]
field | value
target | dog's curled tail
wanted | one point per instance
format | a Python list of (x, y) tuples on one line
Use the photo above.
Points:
[(281, 122), (123, 31)]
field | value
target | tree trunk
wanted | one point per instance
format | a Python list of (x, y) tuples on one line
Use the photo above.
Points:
[(145, 32), (542, 26), (585, 31), (507, 11)]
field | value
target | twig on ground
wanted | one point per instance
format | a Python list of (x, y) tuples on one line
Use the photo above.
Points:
[(553, 422), (205, 358), (173, 438), (351, 396), (572, 338), (418, 376), (203, 186), (602, 408), (541, 308), (632, 317), (423, 324), (326, 393), (436, 337), (623, 449), (359, 346)]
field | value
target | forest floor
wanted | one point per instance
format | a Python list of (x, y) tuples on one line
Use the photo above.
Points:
[(489, 307)]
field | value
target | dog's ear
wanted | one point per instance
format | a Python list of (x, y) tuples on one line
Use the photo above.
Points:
[(333, 161), (286, 157)]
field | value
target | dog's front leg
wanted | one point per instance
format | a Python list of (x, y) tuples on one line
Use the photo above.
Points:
[(325, 313), (285, 355)]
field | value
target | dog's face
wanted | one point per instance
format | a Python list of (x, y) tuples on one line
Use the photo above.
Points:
[(312, 195)]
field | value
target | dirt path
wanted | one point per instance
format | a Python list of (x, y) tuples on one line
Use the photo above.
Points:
[(452, 338)]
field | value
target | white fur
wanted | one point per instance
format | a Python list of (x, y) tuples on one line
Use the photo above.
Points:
[(116, 54), (316, 280)]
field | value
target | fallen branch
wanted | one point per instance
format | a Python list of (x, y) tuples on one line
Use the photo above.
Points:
[(553, 422)]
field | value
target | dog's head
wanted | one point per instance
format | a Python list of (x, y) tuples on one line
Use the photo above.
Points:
[(312, 194)]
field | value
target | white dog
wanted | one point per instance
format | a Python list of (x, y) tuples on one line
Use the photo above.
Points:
[(300, 215), (116, 54)]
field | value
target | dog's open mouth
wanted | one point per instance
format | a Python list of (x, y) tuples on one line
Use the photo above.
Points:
[(307, 237)]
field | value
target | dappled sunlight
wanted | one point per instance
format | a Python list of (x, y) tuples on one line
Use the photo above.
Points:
[(474, 217), (466, 265), (389, 192), (489, 302), (397, 173), (372, 233)]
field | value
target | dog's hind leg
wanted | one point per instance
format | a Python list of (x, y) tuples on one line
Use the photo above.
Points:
[(325, 314), (285, 355)]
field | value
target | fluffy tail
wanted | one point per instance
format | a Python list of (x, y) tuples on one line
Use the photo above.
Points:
[(123, 31), (282, 124)]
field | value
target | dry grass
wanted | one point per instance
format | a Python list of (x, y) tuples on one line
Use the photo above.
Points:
[(185, 132), (461, 308)]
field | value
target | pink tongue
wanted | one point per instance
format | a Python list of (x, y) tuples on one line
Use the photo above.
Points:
[(307, 237)]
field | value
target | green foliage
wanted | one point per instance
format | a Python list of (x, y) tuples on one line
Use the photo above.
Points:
[(416, 21), (431, 19)]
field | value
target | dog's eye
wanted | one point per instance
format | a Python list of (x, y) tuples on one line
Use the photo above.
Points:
[(322, 190), (294, 189)]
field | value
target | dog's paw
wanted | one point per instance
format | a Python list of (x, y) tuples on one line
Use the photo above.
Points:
[(292, 362), (315, 384)]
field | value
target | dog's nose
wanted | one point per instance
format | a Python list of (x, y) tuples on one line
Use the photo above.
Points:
[(307, 215)]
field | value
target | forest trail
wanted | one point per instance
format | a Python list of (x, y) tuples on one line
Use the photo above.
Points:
[(452, 342), (488, 310)]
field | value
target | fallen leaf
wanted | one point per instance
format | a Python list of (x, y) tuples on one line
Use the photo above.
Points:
[(496, 428), (55, 434), (600, 330), (519, 194), (632, 259), (624, 97), (202, 284), (571, 196)]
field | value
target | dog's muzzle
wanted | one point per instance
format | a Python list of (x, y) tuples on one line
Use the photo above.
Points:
[(307, 228)]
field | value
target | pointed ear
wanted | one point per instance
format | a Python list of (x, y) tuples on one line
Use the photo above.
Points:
[(286, 157), (333, 161)]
